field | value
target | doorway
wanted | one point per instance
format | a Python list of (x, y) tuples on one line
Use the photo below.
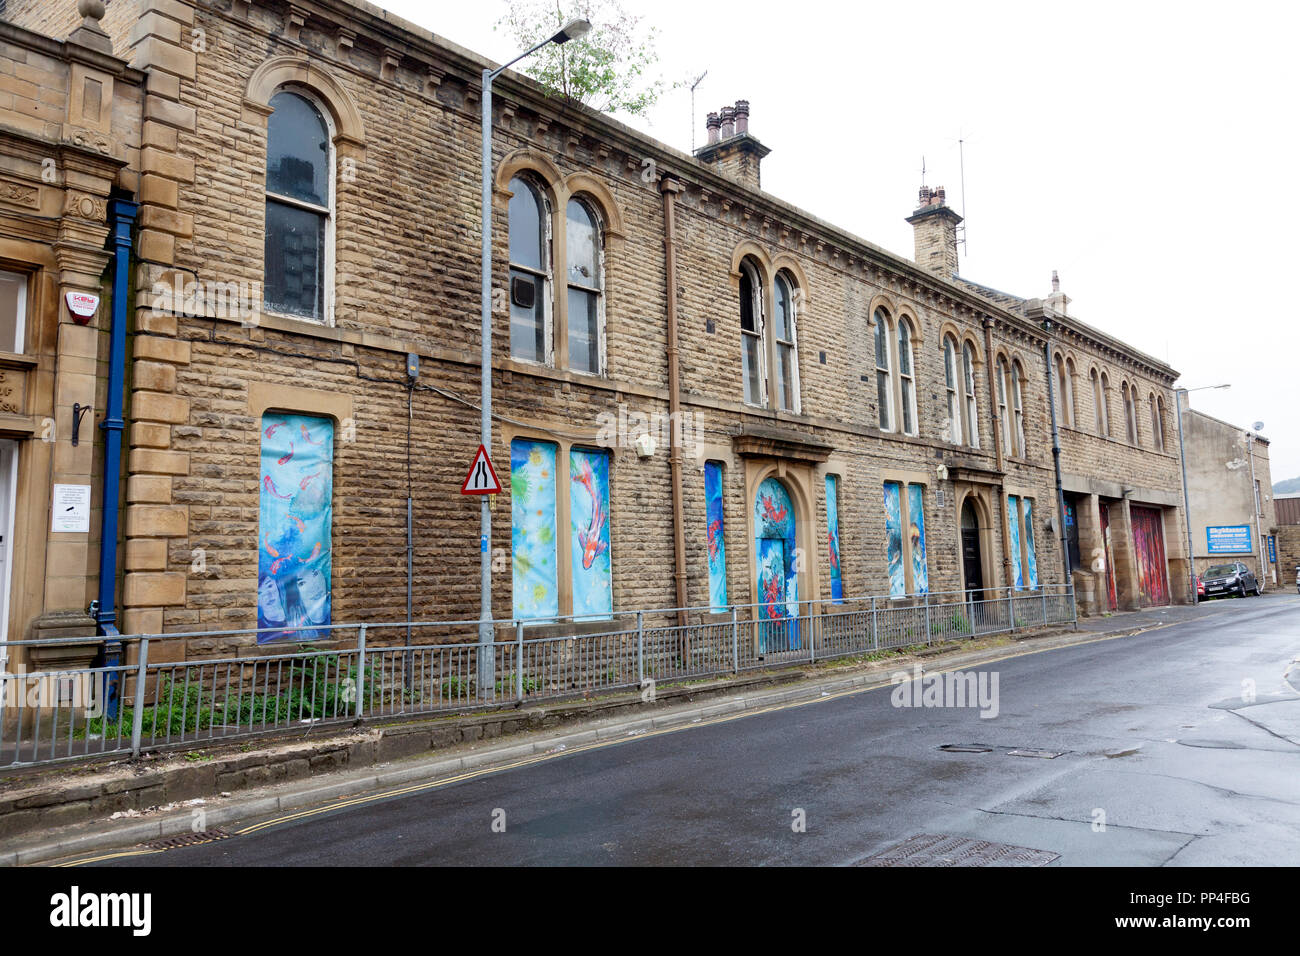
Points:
[(775, 534), (1149, 546), (972, 560), (1112, 599)]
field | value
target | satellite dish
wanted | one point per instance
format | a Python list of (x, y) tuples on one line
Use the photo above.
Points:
[(1258, 426)]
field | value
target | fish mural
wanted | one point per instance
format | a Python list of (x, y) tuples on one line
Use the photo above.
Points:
[(894, 539), (916, 534), (589, 533), (1013, 511), (293, 590), (778, 580), (533, 541), (716, 535), (833, 537), (1031, 559)]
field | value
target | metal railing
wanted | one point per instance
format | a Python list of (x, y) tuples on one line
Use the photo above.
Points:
[(199, 687)]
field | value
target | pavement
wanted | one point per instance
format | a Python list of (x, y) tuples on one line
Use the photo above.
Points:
[(1177, 744)]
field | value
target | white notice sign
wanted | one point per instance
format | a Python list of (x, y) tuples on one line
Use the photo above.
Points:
[(71, 508)]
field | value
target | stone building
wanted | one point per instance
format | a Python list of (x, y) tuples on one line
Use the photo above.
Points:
[(703, 395), (1230, 496), (1287, 508), (70, 114)]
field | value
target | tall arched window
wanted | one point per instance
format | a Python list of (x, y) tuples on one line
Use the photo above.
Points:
[(787, 363), (906, 378), (1105, 405), (1130, 412), (1018, 407), (1002, 378), (751, 334), (1157, 423), (884, 382), (952, 381), (968, 376), (530, 273), (299, 207), (585, 278)]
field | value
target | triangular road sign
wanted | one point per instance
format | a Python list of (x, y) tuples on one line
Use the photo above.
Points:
[(482, 478)]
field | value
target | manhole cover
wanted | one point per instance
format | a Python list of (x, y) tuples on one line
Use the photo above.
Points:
[(189, 839), (966, 748), (931, 849), (1044, 754)]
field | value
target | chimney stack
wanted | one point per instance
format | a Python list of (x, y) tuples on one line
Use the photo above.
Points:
[(934, 232), (1058, 301), (731, 149)]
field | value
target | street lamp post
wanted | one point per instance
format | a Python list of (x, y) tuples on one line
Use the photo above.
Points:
[(1187, 505), (572, 29)]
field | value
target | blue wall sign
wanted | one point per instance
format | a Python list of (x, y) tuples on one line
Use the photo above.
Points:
[(1229, 539), (1272, 549)]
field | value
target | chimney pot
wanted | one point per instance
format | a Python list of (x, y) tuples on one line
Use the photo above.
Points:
[(742, 117), (1056, 282), (728, 122), (712, 123)]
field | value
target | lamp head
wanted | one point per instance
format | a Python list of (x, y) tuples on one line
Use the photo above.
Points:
[(571, 31)]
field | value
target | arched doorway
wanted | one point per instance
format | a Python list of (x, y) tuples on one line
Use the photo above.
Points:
[(972, 557), (776, 561)]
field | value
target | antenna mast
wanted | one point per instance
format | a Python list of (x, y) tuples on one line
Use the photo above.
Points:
[(697, 82), (961, 152)]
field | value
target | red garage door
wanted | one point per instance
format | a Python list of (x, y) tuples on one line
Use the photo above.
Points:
[(1149, 545)]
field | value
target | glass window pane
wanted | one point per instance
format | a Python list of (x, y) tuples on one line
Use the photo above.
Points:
[(882, 343), (749, 362), (782, 310), (13, 311), (295, 260), (584, 341), (747, 302), (297, 150), (528, 326), (580, 244), (909, 402), (785, 376), (904, 349), (949, 364), (882, 400), (525, 225)]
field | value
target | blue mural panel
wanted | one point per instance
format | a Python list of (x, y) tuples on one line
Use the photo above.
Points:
[(715, 535), (1013, 521), (778, 581), (833, 537), (295, 521), (916, 533), (593, 594), (894, 539), (532, 529), (1031, 560)]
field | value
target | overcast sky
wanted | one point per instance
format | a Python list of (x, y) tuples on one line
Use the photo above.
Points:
[(1143, 150)]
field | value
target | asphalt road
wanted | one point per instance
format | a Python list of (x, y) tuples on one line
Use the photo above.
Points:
[(1181, 747)]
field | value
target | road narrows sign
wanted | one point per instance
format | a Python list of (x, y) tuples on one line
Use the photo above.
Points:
[(482, 478)]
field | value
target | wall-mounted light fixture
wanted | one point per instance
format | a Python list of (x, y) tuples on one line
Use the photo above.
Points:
[(78, 410)]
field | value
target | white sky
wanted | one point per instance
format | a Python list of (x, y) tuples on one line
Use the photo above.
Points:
[(1140, 149)]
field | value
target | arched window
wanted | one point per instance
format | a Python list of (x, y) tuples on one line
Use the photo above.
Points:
[(906, 378), (952, 381), (1018, 407), (1067, 392), (1002, 382), (751, 334), (583, 256), (1130, 412), (1105, 405), (299, 207), (787, 361), (968, 376), (530, 273), (884, 381), (1157, 423)]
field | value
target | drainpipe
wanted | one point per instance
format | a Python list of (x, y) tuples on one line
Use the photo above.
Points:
[(669, 188), (1179, 394), (1001, 510), (121, 216), (1056, 451)]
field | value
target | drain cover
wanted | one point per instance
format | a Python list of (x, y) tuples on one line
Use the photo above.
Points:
[(1045, 754), (189, 839), (966, 748), (938, 849)]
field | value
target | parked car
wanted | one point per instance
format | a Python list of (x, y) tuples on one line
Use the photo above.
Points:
[(1200, 586), (1297, 577), (1233, 578)]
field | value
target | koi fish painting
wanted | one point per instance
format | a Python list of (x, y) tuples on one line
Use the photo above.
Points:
[(293, 593), (589, 533)]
